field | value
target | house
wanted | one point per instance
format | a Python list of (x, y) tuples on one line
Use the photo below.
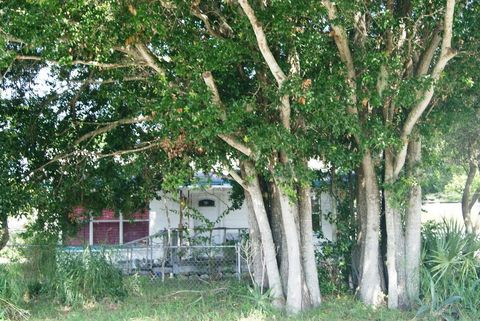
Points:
[(197, 212)]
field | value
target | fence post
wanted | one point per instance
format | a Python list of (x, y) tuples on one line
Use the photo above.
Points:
[(130, 262), (164, 258), (239, 261)]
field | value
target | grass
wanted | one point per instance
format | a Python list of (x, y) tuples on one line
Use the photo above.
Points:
[(215, 301), (86, 286)]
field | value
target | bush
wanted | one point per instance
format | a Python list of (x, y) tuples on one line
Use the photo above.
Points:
[(450, 269), (332, 271)]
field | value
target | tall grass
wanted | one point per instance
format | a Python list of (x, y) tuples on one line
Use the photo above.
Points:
[(12, 287), (450, 269), (86, 276), (69, 278), (10, 311), (12, 291)]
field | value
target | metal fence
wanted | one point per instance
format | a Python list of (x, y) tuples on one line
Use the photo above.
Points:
[(194, 262)]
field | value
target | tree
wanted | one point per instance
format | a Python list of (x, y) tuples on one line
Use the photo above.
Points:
[(188, 77), (229, 83), (394, 54), (32, 130), (456, 130)]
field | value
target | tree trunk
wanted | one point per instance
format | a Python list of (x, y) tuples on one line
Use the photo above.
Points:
[(370, 291), (4, 234), (279, 234), (466, 208), (308, 252), (413, 227), (294, 288), (253, 188), (258, 269), (357, 252), (400, 259), (390, 217), (333, 204)]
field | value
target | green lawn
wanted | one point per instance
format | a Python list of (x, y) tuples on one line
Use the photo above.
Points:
[(214, 301)]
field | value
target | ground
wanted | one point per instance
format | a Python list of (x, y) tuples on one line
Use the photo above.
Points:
[(210, 301)]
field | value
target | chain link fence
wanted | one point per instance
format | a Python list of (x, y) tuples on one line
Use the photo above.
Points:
[(158, 262)]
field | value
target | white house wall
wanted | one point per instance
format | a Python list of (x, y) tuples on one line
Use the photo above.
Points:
[(159, 219), (233, 220), (327, 208)]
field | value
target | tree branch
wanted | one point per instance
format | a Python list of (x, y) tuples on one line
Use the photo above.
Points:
[(145, 146), (210, 82), (474, 199), (229, 139), (53, 160), (446, 54), (428, 54), (272, 63), (149, 58), (233, 142), (112, 125), (73, 102), (238, 179), (194, 8), (262, 43), (472, 171), (11, 38), (340, 37), (112, 80), (139, 148), (81, 62)]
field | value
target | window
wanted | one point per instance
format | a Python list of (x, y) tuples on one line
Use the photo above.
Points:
[(206, 203)]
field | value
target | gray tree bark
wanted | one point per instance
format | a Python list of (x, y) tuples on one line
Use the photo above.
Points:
[(397, 294), (308, 252), (370, 290), (279, 234), (258, 268), (390, 217), (467, 203), (268, 246), (294, 288), (4, 234), (361, 207), (400, 259), (413, 227)]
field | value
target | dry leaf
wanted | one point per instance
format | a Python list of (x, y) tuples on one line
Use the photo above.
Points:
[(132, 9)]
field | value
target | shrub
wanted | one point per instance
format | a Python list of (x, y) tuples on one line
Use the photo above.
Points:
[(450, 269)]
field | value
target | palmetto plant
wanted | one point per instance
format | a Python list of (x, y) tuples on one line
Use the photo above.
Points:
[(450, 268)]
